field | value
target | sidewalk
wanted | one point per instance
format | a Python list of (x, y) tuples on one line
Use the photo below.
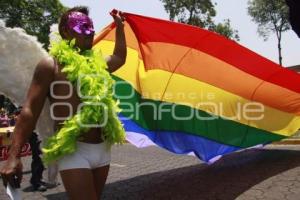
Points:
[(151, 173), (290, 141)]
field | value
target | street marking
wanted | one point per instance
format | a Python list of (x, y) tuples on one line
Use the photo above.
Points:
[(116, 165)]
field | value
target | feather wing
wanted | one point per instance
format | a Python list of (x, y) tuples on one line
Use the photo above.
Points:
[(19, 54)]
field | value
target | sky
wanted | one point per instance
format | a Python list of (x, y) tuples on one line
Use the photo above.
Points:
[(235, 10)]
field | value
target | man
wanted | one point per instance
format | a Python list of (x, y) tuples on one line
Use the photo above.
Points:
[(81, 181)]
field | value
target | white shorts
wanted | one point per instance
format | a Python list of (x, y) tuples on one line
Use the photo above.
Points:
[(90, 156)]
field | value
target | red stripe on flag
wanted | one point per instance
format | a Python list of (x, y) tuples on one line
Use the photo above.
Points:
[(149, 29)]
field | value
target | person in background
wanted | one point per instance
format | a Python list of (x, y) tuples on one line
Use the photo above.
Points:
[(4, 120), (12, 120), (37, 166)]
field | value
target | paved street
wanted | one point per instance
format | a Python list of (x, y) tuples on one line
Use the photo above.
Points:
[(151, 173)]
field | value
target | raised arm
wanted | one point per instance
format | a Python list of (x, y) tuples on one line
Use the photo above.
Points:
[(36, 96), (118, 58)]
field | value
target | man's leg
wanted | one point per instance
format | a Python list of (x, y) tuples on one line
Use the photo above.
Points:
[(52, 175), (79, 184), (100, 175)]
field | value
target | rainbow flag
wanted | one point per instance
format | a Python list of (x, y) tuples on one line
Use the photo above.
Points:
[(190, 90)]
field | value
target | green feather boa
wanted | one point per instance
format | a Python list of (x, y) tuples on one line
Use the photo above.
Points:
[(95, 87)]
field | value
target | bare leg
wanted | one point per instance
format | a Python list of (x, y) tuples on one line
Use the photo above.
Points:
[(100, 175), (79, 184), (52, 173)]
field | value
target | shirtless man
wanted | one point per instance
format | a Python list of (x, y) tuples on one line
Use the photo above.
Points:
[(81, 180)]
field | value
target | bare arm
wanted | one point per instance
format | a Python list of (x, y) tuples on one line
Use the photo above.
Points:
[(33, 105), (28, 117), (118, 58)]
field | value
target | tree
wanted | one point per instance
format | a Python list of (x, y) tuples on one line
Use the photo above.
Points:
[(226, 30), (34, 16), (198, 13), (271, 16)]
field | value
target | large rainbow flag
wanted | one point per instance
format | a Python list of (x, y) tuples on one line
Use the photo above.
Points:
[(190, 90)]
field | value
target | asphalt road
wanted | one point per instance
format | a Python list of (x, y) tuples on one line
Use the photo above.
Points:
[(152, 173)]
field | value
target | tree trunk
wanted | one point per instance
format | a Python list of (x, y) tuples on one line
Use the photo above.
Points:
[(191, 9), (279, 52), (191, 16), (279, 48)]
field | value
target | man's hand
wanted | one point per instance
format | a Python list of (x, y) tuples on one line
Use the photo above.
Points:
[(118, 18), (11, 172), (118, 58)]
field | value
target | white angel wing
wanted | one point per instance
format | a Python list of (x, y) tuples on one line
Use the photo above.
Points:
[(19, 54)]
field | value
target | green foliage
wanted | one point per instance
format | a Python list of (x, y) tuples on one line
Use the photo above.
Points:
[(226, 30), (198, 13), (194, 12), (271, 16), (34, 16)]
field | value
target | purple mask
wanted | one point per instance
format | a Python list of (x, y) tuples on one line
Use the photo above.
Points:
[(80, 23)]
